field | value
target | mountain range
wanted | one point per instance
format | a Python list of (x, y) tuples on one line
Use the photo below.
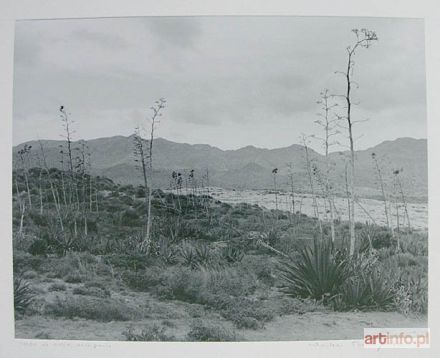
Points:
[(249, 167)]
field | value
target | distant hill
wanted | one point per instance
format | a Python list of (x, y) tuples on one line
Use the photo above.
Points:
[(249, 167)]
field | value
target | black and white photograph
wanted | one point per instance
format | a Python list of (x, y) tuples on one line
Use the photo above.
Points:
[(219, 178)]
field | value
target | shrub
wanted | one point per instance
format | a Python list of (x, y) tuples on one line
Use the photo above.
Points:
[(201, 331), (91, 291), (411, 293), (415, 243), (24, 261), (42, 335), (57, 287), (23, 295), (167, 252), (39, 247), (247, 313), (232, 254), (73, 277), (188, 256), (104, 310), (148, 333), (29, 275), (144, 280), (317, 274), (195, 255), (405, 259), (365, 291), (133, 262), (206, 285), (263, 266)]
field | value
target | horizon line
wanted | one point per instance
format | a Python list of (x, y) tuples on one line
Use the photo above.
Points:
[(212, 146)]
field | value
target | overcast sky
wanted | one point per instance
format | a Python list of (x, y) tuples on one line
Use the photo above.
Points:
[(228, 81)]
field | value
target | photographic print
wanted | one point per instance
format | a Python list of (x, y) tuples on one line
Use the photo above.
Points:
[(219, 178)]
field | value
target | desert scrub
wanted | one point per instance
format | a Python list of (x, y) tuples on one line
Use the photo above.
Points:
[(263, 266), (91, 291), (57, 286), (248, 313), (411, 292), (318, 273), (205, 285), (201, 331), (366, 291), (73, 277), (344, 283), (24, 261), (148, 334), (29, 275), (23, 294), (104, 310), (143, 280)]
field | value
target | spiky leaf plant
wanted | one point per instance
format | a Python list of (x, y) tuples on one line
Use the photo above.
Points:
[(23, 294), (317, 273)]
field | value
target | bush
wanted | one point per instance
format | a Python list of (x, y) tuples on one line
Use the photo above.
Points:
[(104, 310), (129, 262), (366, 292), (148, 333), (24, 261), (247, 313), (263, 266), (411, 292), (206, 285), (29, 275), (57, 287), (232, 254), (318, 273), (416, 244), (195, 255), (144, 280), (23, 295), (208, 332), (378, 237), (73, 277), (39, 247), (91, 291)]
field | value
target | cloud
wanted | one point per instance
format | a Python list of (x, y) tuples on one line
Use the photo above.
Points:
[(222, 76), (102, 39), (175, 31)]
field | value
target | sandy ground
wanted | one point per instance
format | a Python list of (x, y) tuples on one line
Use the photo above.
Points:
[(177, 316), (309, 326)]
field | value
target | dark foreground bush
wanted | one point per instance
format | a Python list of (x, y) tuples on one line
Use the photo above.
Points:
[(104, 310), (366, 292), (208, 332), (318, 273), (148, 334), (247, 313), (23, 294)]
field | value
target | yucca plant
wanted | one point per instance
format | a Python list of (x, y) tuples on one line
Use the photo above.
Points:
[(167, 252), (353, 294), (203, 253), (365, 292), (381, 291), (23, 294), (188, 255), (318, 272), (232, 254)]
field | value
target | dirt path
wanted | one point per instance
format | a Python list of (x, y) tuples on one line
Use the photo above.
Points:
[(330, 326), (309, 326)]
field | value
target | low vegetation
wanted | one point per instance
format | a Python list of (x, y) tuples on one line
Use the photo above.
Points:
[(241, 265)]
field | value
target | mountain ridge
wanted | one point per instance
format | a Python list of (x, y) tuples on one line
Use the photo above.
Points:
[(249, 167)]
